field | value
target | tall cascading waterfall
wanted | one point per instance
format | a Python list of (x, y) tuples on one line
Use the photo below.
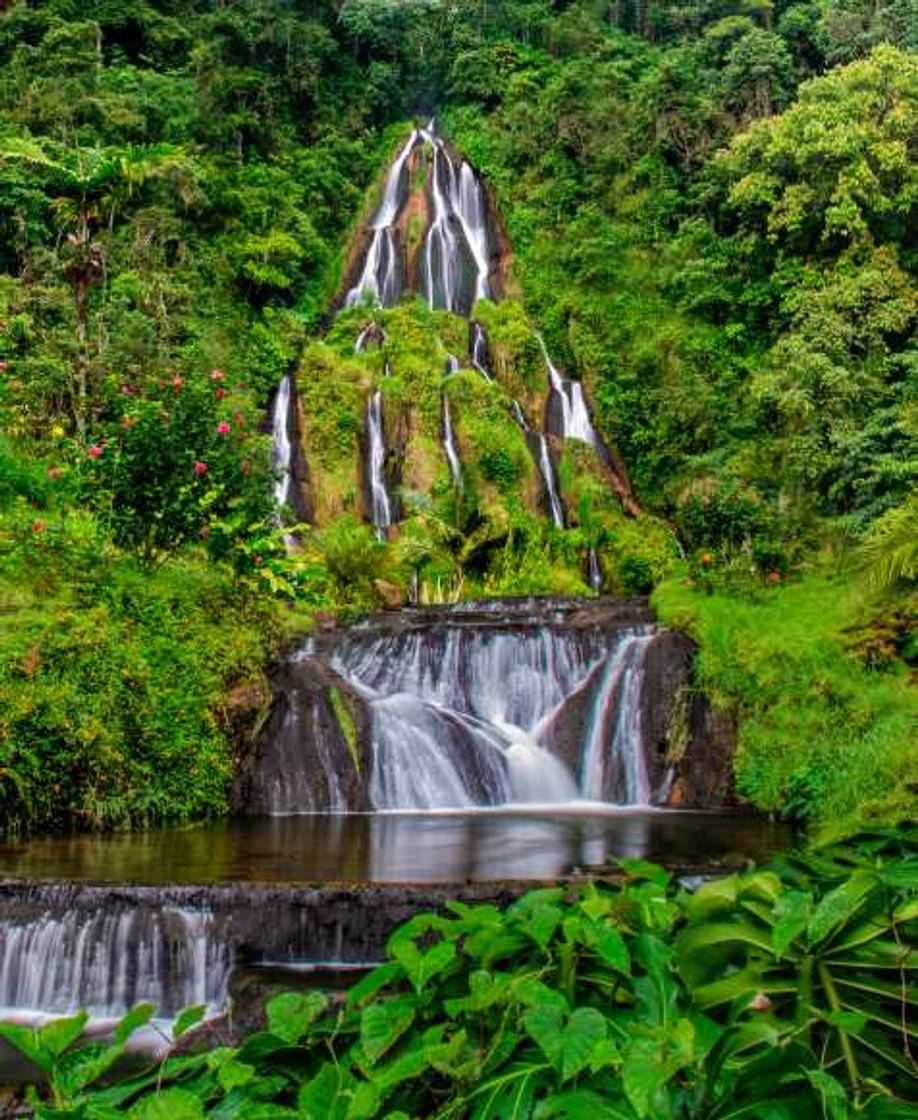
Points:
[(458, 242), (380, 282), (283, 429), (380, 502), (474, 708), (55, 961)]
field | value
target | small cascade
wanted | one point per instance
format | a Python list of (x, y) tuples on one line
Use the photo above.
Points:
[(616, 719), (56, 962), (449, 445), (594, 570), (575, 416), (479, 350), (380, 281), (550, 480), (282, 425), (380, 503)]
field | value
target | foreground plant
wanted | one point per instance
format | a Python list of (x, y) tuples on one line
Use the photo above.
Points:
[(770, 995)]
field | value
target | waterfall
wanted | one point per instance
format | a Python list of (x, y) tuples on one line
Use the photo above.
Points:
[(281, 426), (616, 717), (380, 504), (480, 351), (469, 207), (468, 713), (449, 446), (575, 416), (105, 961), (380, 281), (594, 570), (442, 271), (547, 471)]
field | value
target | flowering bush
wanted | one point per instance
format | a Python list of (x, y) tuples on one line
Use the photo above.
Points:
[(168, 462)]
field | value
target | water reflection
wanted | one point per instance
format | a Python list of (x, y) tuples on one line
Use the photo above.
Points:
[(398, 848)]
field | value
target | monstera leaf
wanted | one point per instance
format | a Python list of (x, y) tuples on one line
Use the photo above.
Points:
[(829, 962)]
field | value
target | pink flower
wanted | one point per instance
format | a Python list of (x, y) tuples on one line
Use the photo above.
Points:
[(95, 451), (223, 428), (200, 468), (177, 382), (4, 366), (217, 375), (127, 391)]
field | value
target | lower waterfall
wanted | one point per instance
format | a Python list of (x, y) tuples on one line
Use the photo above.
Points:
[(62, 960), (469, 707)]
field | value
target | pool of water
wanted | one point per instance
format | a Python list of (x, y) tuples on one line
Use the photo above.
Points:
[(444, 847)]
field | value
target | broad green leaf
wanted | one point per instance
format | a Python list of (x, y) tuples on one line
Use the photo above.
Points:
[(188, 1018), (171, 1104), (26, 1042), (421, 967), (580, 1104), (383, 1023), (364, 1103), (839, 905), (644, 1073), (612, 948), (325, 1097), (832, 1092), (585, 1030), (55, 1037), (232, 1073), (291, 1014), (792, 913), (81, 1067), (509, 1096), (643, 869), (544, 1025), (540, 924), (373, 981)]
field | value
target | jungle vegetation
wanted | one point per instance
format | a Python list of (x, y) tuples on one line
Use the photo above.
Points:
[(712, 209)]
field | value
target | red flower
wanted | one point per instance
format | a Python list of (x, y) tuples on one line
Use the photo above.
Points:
[(95, 451), (127, 391), (223, 428), (774, 577), (38, 526), (177, 382), (217, 375), (221, 393), (200, 468)]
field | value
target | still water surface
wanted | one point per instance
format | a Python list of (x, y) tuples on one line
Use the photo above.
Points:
[(399, 847)]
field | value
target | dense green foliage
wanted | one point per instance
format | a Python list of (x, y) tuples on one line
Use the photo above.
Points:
[(775, 993), (712, 212)]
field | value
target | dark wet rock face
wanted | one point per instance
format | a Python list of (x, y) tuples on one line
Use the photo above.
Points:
[(508, 702)]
